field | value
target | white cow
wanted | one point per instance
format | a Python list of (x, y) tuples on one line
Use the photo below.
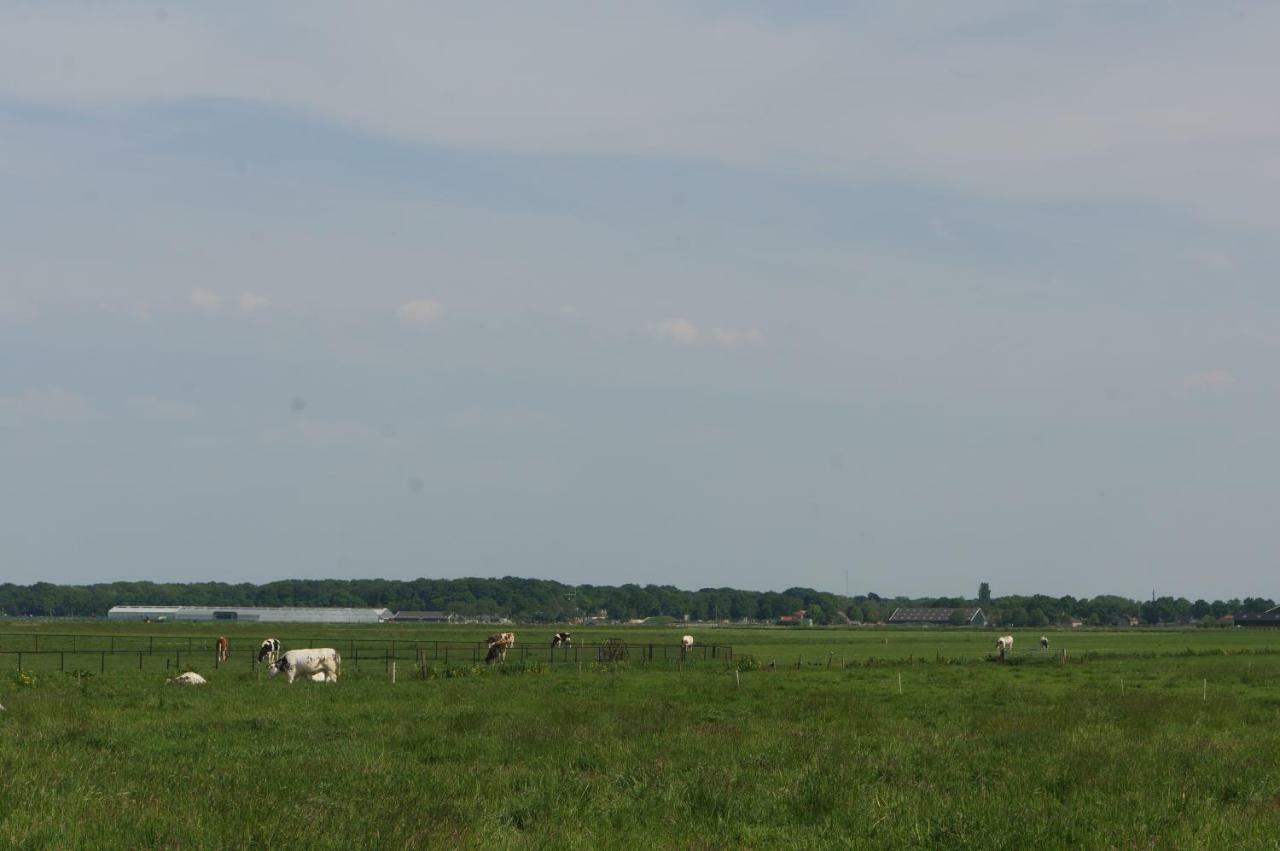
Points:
[(686, 642), (1004, 644), (190, 678), (324, 661), (1044, 643)]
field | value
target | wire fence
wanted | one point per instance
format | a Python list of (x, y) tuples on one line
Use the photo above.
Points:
[(79, 653)]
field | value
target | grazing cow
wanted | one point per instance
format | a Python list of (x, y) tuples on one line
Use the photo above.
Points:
[(499, 645), (1004, 644), (269, 650), (1044, 643), (224, 648), (324, 661), (190, 678), (561, 638)]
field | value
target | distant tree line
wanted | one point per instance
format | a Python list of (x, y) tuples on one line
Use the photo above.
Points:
[(545, 600)]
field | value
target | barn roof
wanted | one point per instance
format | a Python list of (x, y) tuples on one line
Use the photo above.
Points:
[(931, 614)]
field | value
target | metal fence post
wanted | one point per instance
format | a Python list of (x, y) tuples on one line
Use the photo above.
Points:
[(102, 663), (139, 660), (62, 661)]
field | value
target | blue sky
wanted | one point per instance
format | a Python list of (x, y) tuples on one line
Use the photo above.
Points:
[(704, 295)]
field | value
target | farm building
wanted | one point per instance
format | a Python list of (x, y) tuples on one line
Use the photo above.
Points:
[(280, 614), (426, 617), (938, 615), (1269, 618)]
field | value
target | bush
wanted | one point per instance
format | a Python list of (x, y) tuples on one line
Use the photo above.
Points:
[(25, 679)]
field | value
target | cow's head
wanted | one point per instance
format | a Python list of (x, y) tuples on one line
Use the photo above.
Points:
[(280, 667)]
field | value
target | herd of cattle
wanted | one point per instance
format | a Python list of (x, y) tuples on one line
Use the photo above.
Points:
[(322, 664)]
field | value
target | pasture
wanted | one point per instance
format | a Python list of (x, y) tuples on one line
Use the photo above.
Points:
[(811, 738)]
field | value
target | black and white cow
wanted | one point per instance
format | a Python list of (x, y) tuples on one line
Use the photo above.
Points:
[(317, 664), (269, 650), (1044, 643), (561, 638)]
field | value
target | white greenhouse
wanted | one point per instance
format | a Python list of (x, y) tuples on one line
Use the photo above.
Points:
[(280, 614)]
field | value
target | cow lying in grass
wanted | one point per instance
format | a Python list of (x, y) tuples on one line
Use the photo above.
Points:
[(320, 664), (499, 645), (190, 678)]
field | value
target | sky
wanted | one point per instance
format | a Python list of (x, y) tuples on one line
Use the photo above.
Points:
[(750, 294)]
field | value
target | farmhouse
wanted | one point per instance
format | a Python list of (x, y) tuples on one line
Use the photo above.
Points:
[(938, 615), (281, 614)]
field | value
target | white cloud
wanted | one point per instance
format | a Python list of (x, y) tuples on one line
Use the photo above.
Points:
[(1213, 378), (206, 300), (679, 330), (735, 337), (251, 303), (151, 408), (47, 404), (420, 312), (683, 331)]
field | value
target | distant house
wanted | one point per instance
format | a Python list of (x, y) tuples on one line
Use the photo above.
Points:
[(800, 617), (425, 617), (938, 615)]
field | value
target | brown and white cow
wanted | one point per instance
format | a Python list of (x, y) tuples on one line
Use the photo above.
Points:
[(499, 645), (561, 638), (224, 648)]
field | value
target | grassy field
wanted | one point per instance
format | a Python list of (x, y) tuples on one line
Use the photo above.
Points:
[(1142, 739)]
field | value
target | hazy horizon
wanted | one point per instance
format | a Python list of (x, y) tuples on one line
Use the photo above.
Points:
[(730, 295)]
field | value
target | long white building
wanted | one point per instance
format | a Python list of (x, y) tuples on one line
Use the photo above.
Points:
[(281, 614)]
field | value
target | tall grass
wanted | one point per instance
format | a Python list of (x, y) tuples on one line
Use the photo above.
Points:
[(971, 755)]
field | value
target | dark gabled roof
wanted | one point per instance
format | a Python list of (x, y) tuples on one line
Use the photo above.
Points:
[(423, 615), (930, 615)]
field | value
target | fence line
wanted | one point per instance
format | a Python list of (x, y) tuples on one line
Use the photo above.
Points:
[(421, 652)]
